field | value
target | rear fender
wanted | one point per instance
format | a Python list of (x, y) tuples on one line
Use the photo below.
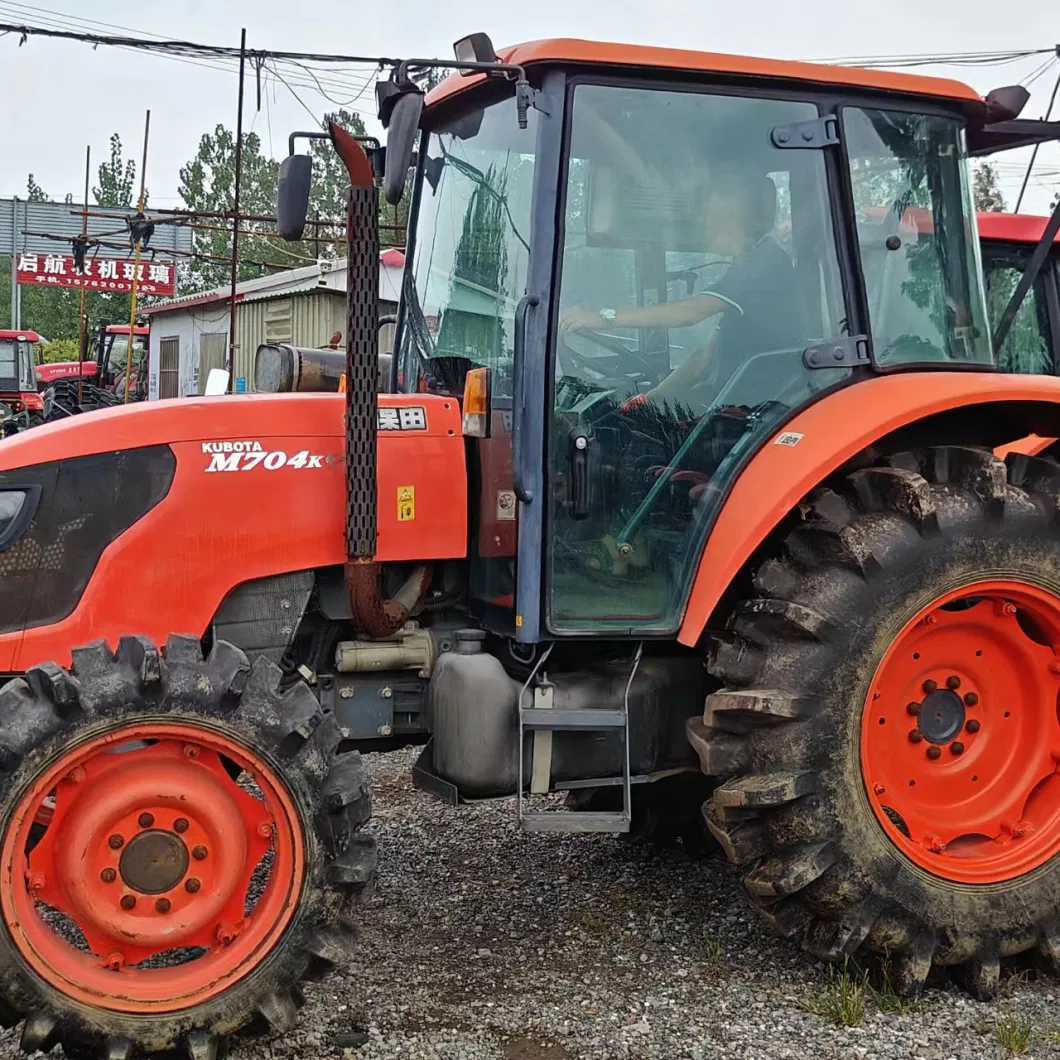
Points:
[(845, 423)]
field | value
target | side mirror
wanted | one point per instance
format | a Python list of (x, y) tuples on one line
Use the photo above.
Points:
[(292, 196), (400, 109), (1006, 104)]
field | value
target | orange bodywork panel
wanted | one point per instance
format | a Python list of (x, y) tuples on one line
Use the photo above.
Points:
[(602, 53), (259, 489), (832, 431)]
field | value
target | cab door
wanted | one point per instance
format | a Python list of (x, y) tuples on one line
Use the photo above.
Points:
[(697, 268)]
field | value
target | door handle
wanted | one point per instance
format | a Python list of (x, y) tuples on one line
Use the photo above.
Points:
[(520, 458), (580, 485)]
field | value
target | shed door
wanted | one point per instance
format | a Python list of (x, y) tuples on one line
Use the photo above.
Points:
[(211, 355), (169, 367), (278, 320)]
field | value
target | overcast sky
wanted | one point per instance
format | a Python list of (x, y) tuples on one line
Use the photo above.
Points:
[(60, 96)]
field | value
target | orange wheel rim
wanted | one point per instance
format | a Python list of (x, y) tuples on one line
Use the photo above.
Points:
[(960, 738), (150, 851)]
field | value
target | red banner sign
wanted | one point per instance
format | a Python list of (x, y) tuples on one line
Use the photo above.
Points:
[(100, 274)]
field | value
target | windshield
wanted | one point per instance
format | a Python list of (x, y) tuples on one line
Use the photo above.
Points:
[(16, 364), (471, 253), (919, 254), (119, 351)]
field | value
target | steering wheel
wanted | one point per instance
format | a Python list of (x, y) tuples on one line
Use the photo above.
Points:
[(622, 363)]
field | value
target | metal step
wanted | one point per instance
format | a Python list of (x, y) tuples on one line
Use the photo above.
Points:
[(573, 720), (574, 821)]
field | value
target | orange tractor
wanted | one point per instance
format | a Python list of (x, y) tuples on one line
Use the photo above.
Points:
[(687, 466)]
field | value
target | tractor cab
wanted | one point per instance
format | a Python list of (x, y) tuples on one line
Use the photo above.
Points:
[(18, 384), (1008, 241), (661, 279), (114, 359)]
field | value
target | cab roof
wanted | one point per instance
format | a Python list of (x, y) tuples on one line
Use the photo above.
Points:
[(597, 53), (1013, 227)]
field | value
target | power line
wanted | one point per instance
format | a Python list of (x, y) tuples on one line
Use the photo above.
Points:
[(192, 48), (1034, 153)]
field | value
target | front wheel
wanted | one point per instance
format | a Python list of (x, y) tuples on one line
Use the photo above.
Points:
[(181, 847), (888, 731)]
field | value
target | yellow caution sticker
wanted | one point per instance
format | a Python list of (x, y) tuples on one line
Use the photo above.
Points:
[(406, 503)]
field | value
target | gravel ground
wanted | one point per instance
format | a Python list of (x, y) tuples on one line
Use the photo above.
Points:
[(482, 943)]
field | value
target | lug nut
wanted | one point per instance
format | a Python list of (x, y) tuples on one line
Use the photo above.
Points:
[(957, 747), (162, 905), (929, 686), (116, 842), (128, 901), (933, 752), (915, 736), (880, 789), (972, 726), (36, 881), (953, 682), (76, 775), (199, 852), (180, 824), (970, 699), (191, 751), (115, 962), (265, 830), (912, 708), (108, 875), (930, 620), (192, 885), (145, 820)]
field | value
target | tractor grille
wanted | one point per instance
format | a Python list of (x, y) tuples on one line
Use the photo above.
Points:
[(84, 505)]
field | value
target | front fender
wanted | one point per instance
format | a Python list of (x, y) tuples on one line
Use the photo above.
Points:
[(831, 432)]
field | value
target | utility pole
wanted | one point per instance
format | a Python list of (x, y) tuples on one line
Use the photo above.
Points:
[(231, 359), (82, 322), (136, 264)]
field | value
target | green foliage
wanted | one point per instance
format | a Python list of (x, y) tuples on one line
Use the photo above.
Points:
[(60, 350), (987, 190), (54, 311), (117, 178), (207, 182), (842, 999), (1013, 1034)]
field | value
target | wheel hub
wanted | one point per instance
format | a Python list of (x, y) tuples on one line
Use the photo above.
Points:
[(941, 716), (154, 862), (960, 734)]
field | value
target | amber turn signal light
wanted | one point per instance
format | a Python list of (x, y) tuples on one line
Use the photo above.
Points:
[(477, 393)]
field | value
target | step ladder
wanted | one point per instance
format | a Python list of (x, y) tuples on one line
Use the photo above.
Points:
[(538, 716)]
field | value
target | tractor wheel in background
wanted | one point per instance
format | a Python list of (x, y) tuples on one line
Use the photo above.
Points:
[(202, 856), (888, 732)]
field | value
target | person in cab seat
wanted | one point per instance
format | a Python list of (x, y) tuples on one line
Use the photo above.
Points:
[(757, 296)]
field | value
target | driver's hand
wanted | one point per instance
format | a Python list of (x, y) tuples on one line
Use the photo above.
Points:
[(578, 318)]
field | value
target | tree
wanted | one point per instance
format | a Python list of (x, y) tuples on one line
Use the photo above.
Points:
[(117, 178), (207, 183), (54, 311), (986, 189)]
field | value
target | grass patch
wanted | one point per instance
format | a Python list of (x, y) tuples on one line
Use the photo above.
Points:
[(886, 999), (710, 951), (1012, 1033), (842, 999)]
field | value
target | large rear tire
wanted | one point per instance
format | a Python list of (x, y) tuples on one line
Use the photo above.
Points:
[(201, 856), (888, 730)]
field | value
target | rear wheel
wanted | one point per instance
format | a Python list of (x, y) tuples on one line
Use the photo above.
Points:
[(888, 731), (181, 847)]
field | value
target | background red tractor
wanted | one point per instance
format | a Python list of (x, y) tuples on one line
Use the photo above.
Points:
[(20, 404), (687, 466)]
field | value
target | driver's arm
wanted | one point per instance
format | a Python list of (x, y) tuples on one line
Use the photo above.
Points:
[(688, 374), (681, 314)]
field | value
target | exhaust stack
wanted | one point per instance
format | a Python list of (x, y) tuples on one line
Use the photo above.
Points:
[(372, 612)]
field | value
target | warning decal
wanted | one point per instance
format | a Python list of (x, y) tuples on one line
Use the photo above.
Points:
[(406, 503)]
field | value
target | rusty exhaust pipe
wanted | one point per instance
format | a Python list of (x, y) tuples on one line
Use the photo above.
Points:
[(375, 615)]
